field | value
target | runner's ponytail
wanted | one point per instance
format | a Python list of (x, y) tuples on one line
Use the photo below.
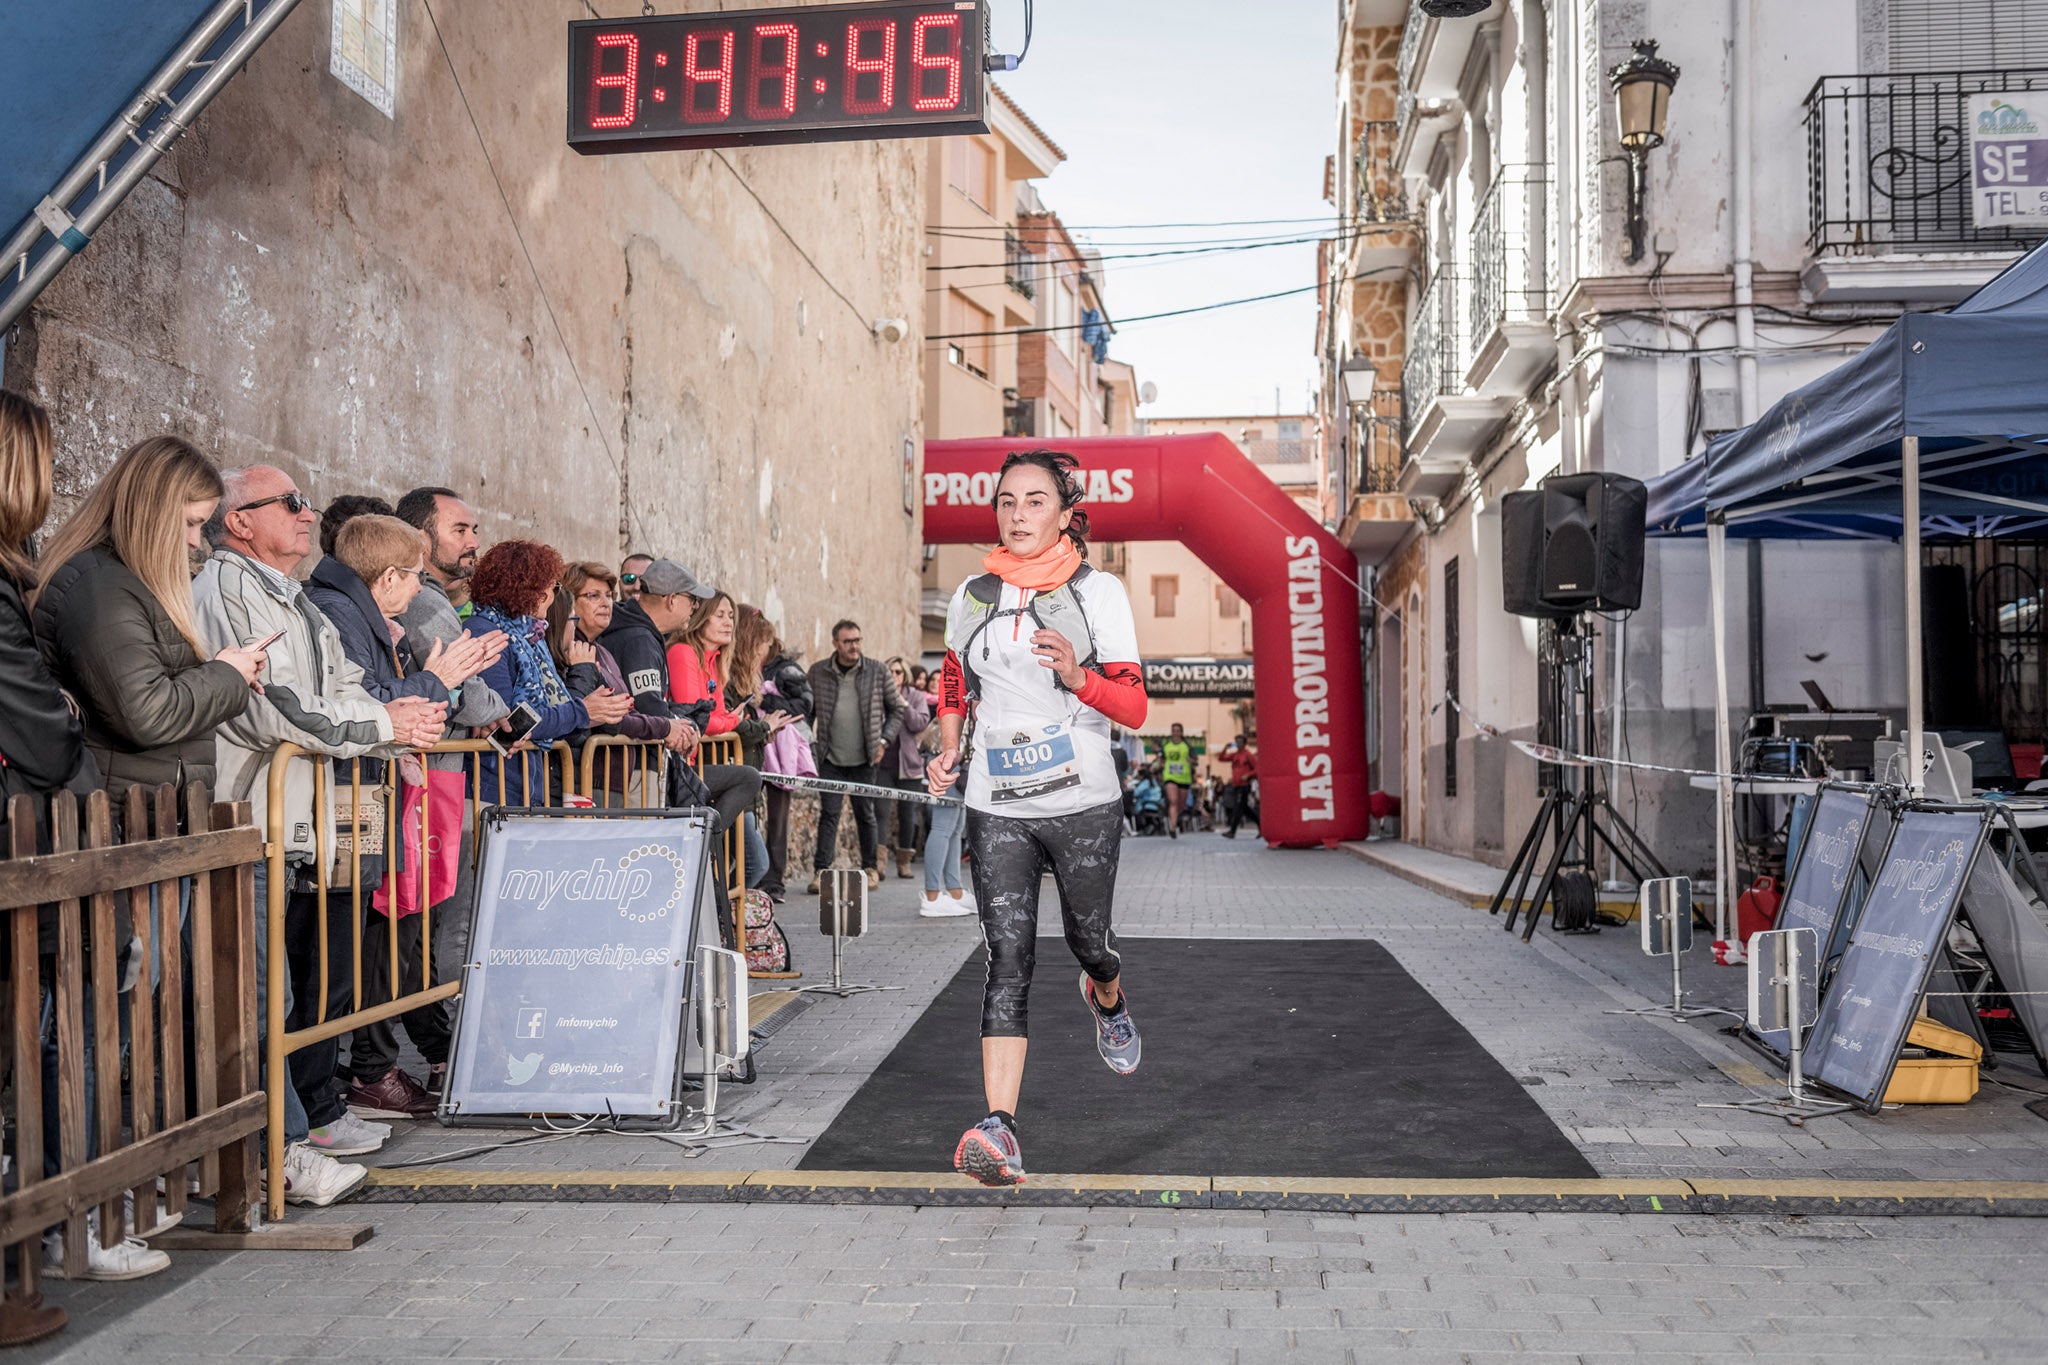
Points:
[(1062, 467)]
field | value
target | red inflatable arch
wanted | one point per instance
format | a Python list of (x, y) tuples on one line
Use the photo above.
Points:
[(1201, 491)]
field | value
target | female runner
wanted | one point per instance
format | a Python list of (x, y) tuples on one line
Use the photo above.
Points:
[(1045, 650)]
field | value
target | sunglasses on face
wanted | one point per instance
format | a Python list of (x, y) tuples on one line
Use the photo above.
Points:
[(629, 579), (294, 503)]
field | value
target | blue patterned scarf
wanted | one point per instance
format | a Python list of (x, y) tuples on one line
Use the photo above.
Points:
[(534, 679)]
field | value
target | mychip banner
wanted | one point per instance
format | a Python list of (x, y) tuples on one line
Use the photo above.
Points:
[(572, 1000), (1876, 989)]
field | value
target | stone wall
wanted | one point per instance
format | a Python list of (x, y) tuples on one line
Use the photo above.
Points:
[(687, 365)]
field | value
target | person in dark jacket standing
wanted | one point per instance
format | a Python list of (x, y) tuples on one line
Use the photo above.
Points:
[(42, 746), (859, 712), (638, 640), (43, 751), (371, 579), (114, 612)]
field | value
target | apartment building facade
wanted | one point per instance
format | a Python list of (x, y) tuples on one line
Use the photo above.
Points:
[(1563, 313), (1018, 318)]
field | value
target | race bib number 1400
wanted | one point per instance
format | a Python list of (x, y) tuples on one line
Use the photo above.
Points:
[(1030, 767)]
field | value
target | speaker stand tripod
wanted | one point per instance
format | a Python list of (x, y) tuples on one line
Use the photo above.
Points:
[(1576, 810)]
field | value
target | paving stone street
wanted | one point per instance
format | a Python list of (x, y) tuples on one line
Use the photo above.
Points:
[(785, 1282)]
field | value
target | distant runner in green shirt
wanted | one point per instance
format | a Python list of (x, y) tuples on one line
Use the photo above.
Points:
[(1177, 771)]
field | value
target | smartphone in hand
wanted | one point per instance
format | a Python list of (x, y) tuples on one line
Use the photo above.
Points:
[(518, 725)]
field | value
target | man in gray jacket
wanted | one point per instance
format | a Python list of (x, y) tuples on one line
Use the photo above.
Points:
[(475, 710), (310, 696), (859, 712)]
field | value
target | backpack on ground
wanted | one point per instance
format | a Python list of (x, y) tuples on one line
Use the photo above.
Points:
[(767, 945)]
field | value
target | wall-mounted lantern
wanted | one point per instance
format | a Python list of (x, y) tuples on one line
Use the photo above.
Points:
[(1642, 102)]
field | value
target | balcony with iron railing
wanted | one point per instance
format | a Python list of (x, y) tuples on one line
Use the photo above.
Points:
[(1018, 265), (1445, 421), (1379, 193), (1436, 350), (1509, 325), (1890, 208), (1377, 453), (1375, 517)]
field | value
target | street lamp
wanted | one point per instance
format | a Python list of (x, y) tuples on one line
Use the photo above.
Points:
[(1355, 380), (1642, 101)]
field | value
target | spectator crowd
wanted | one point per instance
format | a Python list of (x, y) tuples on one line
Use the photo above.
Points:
[(177, 627)]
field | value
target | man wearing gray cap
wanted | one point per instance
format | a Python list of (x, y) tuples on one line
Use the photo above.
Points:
[(637, 639)]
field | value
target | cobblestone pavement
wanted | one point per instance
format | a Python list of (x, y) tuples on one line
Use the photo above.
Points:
[(765, 1283), (797, 1283)]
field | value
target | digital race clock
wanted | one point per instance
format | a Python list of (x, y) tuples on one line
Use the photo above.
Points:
[(810, 73)]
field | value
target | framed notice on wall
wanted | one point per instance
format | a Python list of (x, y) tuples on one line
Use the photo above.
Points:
[(363, 50)]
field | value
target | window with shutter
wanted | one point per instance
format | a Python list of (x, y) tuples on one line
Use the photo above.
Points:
[(1967, 35)]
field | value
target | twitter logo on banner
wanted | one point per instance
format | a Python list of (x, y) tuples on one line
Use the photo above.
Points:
[(520, 1070)]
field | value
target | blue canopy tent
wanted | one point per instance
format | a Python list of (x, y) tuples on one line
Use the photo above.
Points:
[(92, 94), (1939, 427)]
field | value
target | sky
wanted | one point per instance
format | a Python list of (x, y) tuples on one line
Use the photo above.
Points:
[(1191, 111)]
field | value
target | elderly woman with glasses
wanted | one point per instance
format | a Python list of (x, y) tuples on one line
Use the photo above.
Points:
[(581, 612)]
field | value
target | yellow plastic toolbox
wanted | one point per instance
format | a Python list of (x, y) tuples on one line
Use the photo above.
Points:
[(1938, 1066)]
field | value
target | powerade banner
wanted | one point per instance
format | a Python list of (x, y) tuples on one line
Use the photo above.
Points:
[(1876, 990), (584, 930), (1226, 678), (1300, 582)]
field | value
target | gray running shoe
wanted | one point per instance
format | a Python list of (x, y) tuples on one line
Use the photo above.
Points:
[(1116, 1035), (989, 1152)]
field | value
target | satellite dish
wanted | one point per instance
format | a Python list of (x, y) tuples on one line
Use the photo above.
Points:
[(1148, 392), (1455, 9)]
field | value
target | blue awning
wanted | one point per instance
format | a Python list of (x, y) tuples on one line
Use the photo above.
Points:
[(1823, 462), (70, 73)]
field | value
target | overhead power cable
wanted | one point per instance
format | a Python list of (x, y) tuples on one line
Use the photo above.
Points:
[(1150, 317), (1148, 227), (1040, 262)]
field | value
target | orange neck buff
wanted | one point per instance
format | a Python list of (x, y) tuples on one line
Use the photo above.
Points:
[(1042, 572)]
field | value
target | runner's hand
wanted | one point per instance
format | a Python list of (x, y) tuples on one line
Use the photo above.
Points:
[(942, 772), (1056, 652)]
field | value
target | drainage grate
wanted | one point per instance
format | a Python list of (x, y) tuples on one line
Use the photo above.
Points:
[(780, 1020)]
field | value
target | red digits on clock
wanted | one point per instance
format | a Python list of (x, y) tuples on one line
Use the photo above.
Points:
[(883, 67), (696, 75), (783, 73), (626, 82), (922, 96)]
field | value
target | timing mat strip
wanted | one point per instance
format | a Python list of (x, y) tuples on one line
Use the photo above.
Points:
[(1702, 1195)]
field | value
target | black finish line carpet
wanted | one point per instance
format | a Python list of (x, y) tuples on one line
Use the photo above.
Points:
[(1262, 1058)]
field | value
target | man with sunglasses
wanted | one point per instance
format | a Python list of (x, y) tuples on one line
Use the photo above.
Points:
[(311, 696), (631, 570)]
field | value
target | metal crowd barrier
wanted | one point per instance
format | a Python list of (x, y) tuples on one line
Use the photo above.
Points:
[(188, 1096), (714, 749), (610, 771)]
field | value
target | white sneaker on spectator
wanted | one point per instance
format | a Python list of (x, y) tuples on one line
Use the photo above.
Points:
[(311, 1177), (937, 906), (965, 900), (346, 1136), (130, 1260), (382, 1130), (164, 1221)]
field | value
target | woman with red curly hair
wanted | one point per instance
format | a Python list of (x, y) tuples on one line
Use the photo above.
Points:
[(513, 586)]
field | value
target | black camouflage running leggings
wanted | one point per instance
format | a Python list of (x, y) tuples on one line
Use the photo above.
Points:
[(1010, 855)]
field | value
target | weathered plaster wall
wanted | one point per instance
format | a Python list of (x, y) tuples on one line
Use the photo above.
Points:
[(310, 283)]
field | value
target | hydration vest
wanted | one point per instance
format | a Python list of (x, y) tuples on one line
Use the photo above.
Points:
[(1060, 610)]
